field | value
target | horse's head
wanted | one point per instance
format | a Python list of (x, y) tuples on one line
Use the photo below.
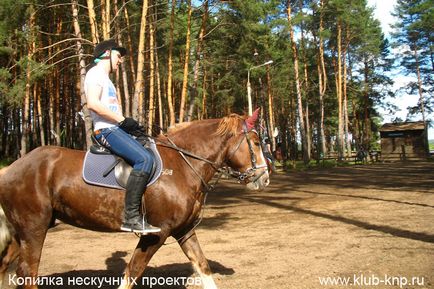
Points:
[(245, 156)]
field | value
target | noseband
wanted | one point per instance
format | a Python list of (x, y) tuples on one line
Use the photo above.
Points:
[(250, 172)]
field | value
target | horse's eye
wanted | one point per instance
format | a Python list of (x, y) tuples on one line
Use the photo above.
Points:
[(256, 143)]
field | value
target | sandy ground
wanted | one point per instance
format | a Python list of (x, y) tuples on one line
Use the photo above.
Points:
[(371, 225)]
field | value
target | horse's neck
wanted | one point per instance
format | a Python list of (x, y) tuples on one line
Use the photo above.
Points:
[(200, 139)]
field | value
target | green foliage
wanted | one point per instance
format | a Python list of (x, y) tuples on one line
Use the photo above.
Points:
[(5, 162), (15, 93), (240, 34), (12, 15), (414, 39), (12, 91)]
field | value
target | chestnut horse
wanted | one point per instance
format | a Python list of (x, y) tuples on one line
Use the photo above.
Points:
[(48, 183)]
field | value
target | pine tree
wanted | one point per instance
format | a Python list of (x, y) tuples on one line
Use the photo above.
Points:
[(414, 38)]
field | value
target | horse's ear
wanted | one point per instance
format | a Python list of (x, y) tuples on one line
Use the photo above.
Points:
[(251, 120)]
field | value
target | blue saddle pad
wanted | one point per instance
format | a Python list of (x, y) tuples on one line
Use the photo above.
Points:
[(95, 166)]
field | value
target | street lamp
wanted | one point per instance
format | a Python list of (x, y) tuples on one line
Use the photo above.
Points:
[(249, 88)]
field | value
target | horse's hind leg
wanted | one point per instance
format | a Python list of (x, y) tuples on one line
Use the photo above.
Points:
[(10, 254), (31, 242), (146, 248), (191, 248), (30, 231)]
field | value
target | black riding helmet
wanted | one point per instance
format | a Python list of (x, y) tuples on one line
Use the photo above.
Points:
[(103, 47), (108, 45)]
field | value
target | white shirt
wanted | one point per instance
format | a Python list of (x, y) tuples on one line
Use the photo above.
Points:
[(97, 76)]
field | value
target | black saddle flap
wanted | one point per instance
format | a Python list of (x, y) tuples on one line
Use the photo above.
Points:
[(99, 150)]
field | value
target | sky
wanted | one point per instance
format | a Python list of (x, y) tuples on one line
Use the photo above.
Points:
[(383, 12)]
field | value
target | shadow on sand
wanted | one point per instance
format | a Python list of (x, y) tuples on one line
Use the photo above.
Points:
[(112, 276)]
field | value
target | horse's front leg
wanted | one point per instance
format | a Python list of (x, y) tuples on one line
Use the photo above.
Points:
[(146, 248), (191, 248)]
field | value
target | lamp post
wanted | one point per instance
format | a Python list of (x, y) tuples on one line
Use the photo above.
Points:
[(249, 88)]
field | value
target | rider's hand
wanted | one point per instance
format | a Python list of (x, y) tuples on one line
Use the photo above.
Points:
[(129, 125)]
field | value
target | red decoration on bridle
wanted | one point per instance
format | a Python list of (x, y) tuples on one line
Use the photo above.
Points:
[(251, 120)]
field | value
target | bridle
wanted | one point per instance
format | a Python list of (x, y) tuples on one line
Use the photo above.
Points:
[(244, 177), (250, 172)]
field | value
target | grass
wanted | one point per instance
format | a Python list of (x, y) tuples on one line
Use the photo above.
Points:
[(313, 164)]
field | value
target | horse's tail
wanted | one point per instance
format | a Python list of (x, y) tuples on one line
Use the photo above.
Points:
[(8, 250), (5, 233)]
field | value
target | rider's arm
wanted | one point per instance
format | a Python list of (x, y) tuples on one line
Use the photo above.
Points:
[(93, 103)]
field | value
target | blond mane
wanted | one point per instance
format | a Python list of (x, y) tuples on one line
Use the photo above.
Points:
[(229, 125)]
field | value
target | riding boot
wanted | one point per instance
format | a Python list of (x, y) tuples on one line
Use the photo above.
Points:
[(134, 221)]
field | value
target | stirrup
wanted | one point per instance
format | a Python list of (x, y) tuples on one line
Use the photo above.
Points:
[(139, 226)]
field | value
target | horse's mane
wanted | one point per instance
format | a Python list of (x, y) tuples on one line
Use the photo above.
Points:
[(228, 125)]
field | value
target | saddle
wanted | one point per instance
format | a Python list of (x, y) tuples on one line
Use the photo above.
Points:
[(103, 168)]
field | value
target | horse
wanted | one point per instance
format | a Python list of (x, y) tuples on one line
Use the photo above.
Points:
[(47, 183)]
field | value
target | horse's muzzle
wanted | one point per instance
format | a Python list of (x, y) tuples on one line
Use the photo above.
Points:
[(259, 181)]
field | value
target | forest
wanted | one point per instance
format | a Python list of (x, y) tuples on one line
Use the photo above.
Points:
[(318, 69)]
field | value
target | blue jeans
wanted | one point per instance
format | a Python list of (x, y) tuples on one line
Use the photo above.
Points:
[(124, 145)]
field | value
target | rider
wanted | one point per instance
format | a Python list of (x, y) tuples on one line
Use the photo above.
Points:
[(113, 130)]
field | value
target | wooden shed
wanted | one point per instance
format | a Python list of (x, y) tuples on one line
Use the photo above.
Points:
[(404, 141)]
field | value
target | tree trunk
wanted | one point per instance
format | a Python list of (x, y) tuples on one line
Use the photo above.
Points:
[(292, 142), (127, 108), (4, 132), (306, 87), (204, 111), (298, 86), (139, 84), (57, 106), (270, 110), (322, 79), (25, 131), (197, 61), (186, 64), (92, 22), (82, 64), (345, 108), (105, 15), (367, 122), (51, 110), (170, 67), (340, 138), (345, 97), (40, 117), (419, 83), (129, 44), (55, 99), (151, 114), (159, 90), (34, 142)]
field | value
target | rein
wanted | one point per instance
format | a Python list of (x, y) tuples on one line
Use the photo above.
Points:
[(185, 153)]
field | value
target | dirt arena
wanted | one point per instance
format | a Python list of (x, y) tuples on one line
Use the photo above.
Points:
[(371, 226)]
